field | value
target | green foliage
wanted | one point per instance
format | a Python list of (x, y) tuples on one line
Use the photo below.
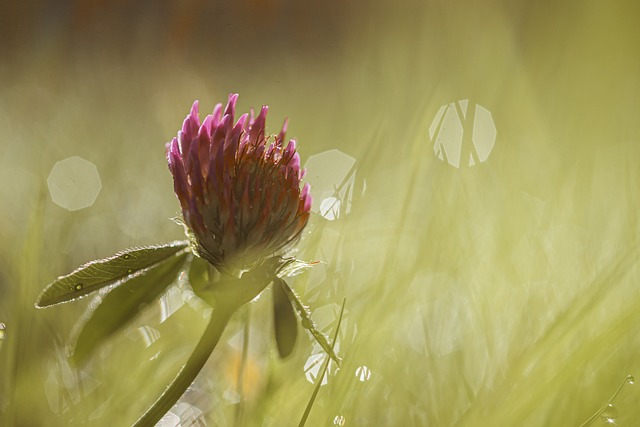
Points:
[(284, 320), (98, 274), (323, 371), (140, 276), (114, 310)]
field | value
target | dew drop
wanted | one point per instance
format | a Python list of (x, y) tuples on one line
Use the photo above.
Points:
[(129, 271), (609, 414), (339, 420), (126, 256), (79, 287), (631, 379), (3, 331)]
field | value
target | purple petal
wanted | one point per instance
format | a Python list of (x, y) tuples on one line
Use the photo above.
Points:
[(169, 146), (207, 125), (194, 173), (294, 165), (194, 109), (289, 151), (184, 143), (174, 148), (306, 197), (242, 121), (179, 178), (203, 142), (220, 133), (195, 217), (217, 115), (233, 138), (231, 105), (192, 122), (257, 127), (283, 132)]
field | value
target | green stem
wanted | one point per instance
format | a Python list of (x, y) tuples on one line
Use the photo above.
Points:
[(226, 296), (243, 364), (217, 323)]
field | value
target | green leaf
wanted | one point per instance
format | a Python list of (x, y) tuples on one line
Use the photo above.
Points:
[(100, 273), (124, 302), (284, 320), (307, 321)]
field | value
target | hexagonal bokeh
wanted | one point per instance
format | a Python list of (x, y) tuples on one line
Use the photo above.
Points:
[(74, 183), (331, 175), (458, 134)]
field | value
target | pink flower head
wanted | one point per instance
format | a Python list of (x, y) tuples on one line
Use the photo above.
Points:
[(239, 188)]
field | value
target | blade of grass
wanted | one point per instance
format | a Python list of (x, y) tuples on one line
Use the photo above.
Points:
[(243, 363), (319, 378), (627, 380)]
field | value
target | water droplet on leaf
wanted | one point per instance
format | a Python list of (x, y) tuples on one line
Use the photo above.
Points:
[(631, 379), (3, 331), (609, 414), (126, 256), (79, 287), (339, 420)]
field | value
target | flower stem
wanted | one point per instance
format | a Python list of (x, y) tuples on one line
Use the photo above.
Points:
[(226, 296), (241, 369), (217, 323)]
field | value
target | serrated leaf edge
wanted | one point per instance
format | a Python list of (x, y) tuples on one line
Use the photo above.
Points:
[(117, 281)]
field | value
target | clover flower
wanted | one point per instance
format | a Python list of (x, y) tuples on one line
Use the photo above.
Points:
[(238, 187)]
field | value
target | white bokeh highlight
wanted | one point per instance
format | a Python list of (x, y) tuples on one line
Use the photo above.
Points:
[(74, 183), (339, 420), (330, 208), (463, 137), (331, 175), (363, 373)]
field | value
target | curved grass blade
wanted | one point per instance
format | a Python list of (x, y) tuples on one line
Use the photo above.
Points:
[(100, 273), (322, 373), (629, 379), (284, 321), (307, 322), (123, 303)]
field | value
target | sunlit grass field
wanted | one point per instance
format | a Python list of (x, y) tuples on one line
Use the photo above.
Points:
[(506, 293)]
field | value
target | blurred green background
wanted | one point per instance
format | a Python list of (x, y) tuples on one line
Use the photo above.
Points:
[(504, 293)]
